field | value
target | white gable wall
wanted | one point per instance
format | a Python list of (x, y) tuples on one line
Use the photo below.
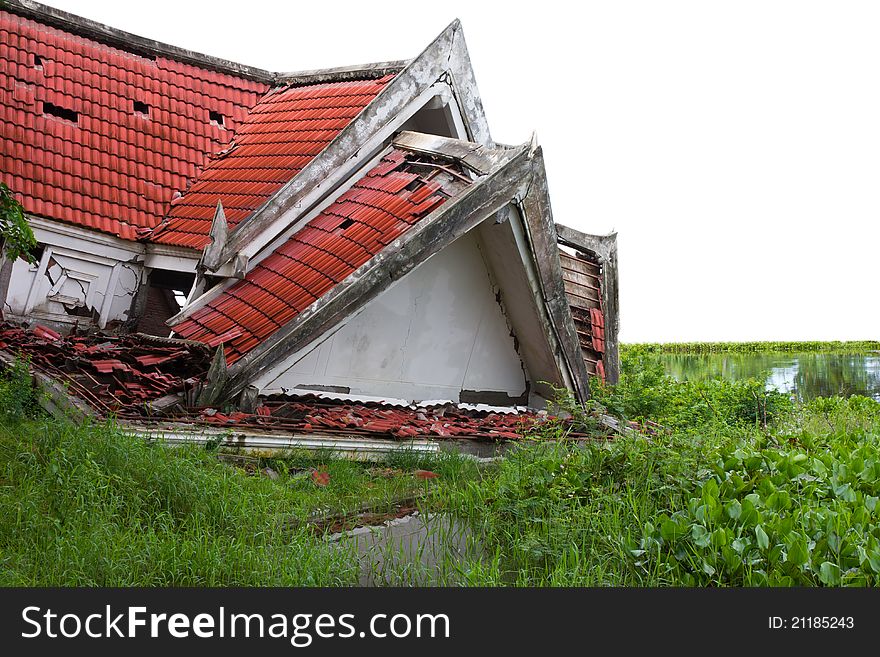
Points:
[(436, 332)]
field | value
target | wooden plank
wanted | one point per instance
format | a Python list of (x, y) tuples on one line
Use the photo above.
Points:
[(581, 297), (578, 277), (582, 289), (581, 266)]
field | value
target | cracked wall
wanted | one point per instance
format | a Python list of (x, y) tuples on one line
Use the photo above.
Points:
[(74, 281)]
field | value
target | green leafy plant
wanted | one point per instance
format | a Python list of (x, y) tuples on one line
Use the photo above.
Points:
[(15, 234)]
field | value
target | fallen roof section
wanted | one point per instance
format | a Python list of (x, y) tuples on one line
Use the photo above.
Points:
[(382, 228), (112, 374)]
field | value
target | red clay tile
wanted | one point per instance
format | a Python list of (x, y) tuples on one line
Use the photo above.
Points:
[(131, 166), (277, 139)]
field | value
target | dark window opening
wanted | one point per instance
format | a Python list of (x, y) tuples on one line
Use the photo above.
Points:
[(60, 112), (38, 61), (162, 299), (37, 252), (345, 224), (141, 108), (216, 117)]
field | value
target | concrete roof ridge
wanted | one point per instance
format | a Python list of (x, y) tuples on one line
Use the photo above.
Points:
[(340, 73)]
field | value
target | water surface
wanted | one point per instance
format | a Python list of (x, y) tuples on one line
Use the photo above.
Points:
[(805, 375)]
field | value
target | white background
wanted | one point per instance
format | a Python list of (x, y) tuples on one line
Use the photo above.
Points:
[(734, 146)]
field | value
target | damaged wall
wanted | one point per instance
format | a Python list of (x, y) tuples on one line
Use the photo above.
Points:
[(76, 279), (437, 332), (85, 278)]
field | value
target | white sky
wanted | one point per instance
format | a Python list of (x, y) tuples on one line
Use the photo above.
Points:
[(734, 146)]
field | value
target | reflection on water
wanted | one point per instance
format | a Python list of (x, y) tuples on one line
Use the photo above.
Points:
[(806, 375)]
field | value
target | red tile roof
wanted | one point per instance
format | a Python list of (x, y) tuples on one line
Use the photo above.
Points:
[(379, 208), (114, 170), (280, 136)]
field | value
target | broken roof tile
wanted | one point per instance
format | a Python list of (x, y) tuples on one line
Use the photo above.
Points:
[(114, 375)]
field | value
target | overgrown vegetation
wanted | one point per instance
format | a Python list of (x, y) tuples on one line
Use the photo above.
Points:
[(737, 486), (90, 505), (725, 484)]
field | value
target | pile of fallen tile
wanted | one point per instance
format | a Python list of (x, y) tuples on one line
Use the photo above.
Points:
[(111, 373), (311, 414)]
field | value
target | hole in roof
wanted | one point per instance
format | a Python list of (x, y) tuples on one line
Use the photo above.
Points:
[(216, 117), (38, 61), (414, 185), (141, 108), (345, 224), (60, 112)]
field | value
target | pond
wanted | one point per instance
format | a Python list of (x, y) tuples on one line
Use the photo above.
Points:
[(805, 375)]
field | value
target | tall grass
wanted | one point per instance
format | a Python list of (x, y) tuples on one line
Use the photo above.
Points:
[(90, 505)]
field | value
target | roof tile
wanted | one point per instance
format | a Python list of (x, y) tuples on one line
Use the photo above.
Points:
[(112, 170), (280, 136)]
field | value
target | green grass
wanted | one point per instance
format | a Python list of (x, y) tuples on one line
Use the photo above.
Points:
[(88, 505)]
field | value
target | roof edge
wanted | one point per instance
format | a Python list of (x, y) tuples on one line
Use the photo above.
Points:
[(129, 42), (341, 73)]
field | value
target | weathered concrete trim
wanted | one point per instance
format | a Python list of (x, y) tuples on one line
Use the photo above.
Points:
[(272, 444), (109, 293), (70, 230), (219, 232), (341, 73), (5, 277), (542, 391), (542, 235), (450, 221), (183, 252), (38, 277), (171, 263), (475, 157), (599, 245), (464, 88), (445, 59), (604, 247), (130, 42)]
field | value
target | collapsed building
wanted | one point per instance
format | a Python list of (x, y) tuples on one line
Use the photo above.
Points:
[(348, 239)]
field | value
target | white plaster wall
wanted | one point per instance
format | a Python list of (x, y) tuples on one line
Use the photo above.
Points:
[(437, 331), (90, 269)]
